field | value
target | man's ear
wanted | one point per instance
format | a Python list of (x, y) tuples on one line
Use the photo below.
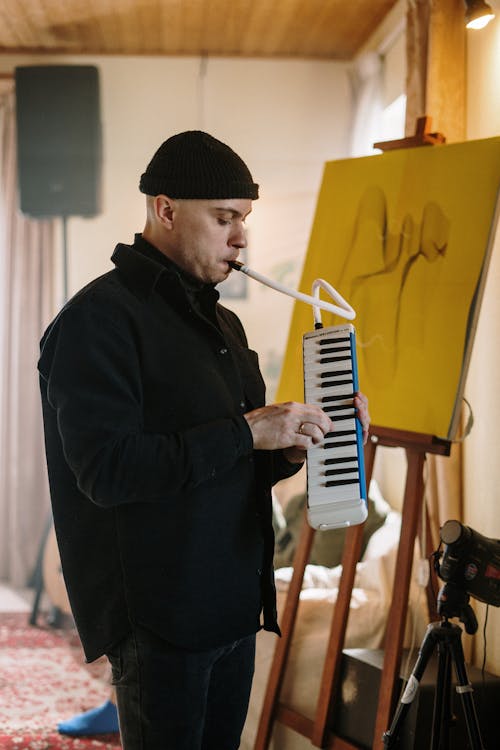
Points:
[(164, 209)]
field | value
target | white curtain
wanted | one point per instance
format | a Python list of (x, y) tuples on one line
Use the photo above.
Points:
[(367, 89), (26, 294)]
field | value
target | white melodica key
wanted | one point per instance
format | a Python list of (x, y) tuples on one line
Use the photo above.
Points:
[(336, 491)]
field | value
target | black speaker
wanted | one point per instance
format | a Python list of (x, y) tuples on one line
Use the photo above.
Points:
[(58, 140), (356, 712)]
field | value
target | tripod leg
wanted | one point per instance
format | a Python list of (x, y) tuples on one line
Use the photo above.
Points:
[(391, 737), (37, 577), (442, 716), (464, 688)]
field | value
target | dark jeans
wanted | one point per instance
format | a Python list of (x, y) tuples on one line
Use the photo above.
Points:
[(173, 699)]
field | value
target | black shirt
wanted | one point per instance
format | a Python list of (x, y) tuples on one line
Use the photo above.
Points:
[(162, 507)]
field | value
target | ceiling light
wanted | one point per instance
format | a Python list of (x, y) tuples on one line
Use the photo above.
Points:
[(477, 14)]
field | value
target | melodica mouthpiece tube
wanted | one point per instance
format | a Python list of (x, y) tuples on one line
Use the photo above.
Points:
[(343, 308)]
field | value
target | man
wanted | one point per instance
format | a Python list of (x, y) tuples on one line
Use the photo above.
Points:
[(161, 457)]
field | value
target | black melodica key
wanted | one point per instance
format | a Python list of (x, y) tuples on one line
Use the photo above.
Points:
[(339, 407), (341, 460), (339, 417), (340, 340), (340, 444), (336, 349), (339, 482), (339, 397), (333, 383), (337, 472)]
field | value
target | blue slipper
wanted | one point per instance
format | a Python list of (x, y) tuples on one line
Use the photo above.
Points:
[(100, 720)]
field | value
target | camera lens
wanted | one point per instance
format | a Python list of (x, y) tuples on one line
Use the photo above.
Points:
[(451, 532)]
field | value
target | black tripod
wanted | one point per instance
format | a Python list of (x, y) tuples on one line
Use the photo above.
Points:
[(444, 635)]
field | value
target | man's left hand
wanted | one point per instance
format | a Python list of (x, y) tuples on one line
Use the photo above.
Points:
[(296, 454)]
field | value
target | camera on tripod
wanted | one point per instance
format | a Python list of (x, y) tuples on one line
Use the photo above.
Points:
[(470, 566), (471, 561)]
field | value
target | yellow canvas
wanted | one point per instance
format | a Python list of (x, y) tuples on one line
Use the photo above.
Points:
[(405, 237)]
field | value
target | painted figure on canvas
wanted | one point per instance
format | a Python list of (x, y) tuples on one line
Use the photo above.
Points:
[(406, 238)]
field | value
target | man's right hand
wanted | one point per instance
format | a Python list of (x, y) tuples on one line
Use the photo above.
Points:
[(288, 425)]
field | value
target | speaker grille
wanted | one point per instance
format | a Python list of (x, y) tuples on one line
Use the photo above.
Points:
[(58, 139)]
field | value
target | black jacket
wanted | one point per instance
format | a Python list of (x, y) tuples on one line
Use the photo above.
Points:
[(162, 508)]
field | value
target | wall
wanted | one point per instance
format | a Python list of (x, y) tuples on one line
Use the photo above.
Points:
[(482, 447), (285, 118)]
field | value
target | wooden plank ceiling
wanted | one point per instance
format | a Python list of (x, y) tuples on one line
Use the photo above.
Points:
[(316, 29)]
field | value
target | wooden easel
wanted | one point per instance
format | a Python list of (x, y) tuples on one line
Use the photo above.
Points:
[(416, 446)]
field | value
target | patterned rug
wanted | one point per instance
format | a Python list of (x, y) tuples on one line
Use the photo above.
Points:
[(43, 680)]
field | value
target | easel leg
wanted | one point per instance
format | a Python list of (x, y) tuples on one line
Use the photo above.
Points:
[(331, 668), (278, 665), (399, 607)]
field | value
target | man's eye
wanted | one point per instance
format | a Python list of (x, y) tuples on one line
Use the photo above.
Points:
[(224, 222)]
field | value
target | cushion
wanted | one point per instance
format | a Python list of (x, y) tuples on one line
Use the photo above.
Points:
[(328, 544)]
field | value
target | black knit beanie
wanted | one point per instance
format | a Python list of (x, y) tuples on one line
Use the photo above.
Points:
[(196, 165)]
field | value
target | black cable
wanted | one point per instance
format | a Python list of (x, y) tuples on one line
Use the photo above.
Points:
[(484, 640)]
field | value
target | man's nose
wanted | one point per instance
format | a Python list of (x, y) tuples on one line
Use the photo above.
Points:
[(238, 236)]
